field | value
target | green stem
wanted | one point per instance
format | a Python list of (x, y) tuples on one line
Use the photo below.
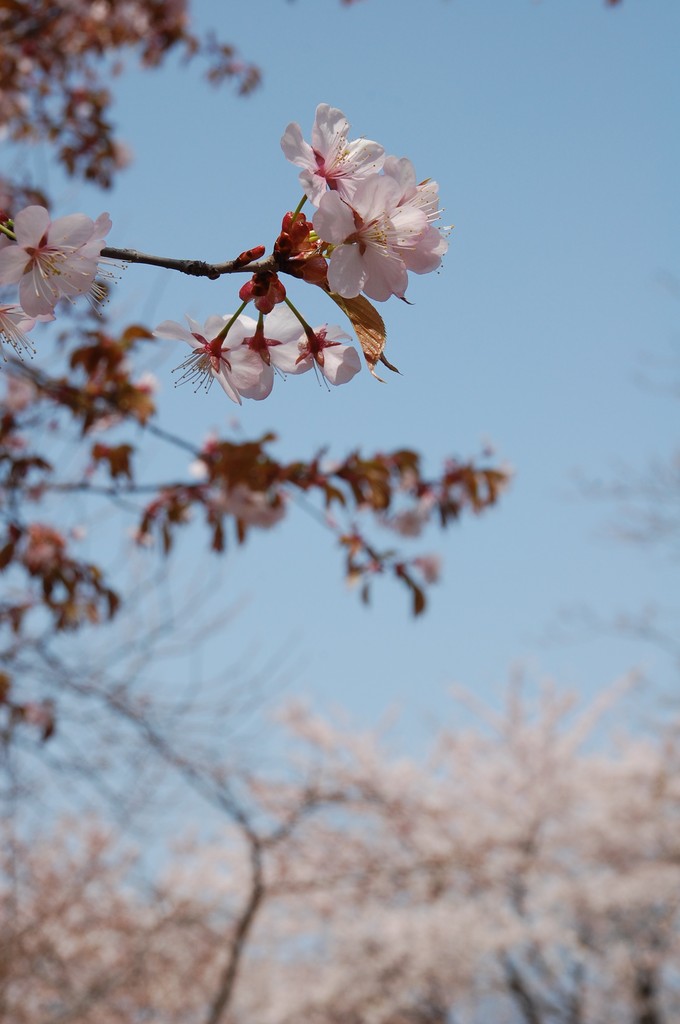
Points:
[(225, 330), (8, 231), (298, 208), (300, 317)]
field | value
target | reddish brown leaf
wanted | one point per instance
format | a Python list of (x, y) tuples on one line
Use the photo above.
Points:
[(368, 326)]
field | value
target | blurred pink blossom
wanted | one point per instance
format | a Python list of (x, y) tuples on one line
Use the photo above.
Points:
[(51, 260)]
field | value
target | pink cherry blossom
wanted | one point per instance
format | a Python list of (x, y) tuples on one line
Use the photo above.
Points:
[(320, 347), (212, 359), (430, 566), (369, 237), (275, 344), (330, 160), (19, 394), (51, 260), (254, 508), (422, 253)]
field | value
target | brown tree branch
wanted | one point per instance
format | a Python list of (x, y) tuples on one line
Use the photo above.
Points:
[(194, 268), (646, 988), (244, 924), (524, 999)]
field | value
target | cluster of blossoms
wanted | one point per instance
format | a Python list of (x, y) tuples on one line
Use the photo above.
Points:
[(375, 221), (50, 261), (242, 354), (373, 224)]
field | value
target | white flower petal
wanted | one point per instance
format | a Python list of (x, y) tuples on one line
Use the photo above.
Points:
[(403, 172), (282, 325), (247, 373), (334, 220), (242, 328), (212, 327), (30, 224), (329, 132), (228, 387), (340, 363), (294, 146), (102, 226), (346, 271), (286, 358), (385, 274), (173, 331), (70, 232), (13, 262), (252, 383), (38, 293)]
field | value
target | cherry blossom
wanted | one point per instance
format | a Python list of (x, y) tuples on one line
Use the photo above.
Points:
[(52, 260), (430, 566), (411, 522), (423, 253), (369, 237), (19, 395), (212, 359), (513, 871), (254, 508), (320, 347), (273, 341), (330, 160)]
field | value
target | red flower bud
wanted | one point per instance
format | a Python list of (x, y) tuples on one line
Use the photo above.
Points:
[(265, 290)]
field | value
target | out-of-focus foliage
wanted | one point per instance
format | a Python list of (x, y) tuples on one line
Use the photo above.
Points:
[(58, 59)]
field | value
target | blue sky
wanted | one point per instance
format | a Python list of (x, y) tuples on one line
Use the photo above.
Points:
[(551, 128)]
